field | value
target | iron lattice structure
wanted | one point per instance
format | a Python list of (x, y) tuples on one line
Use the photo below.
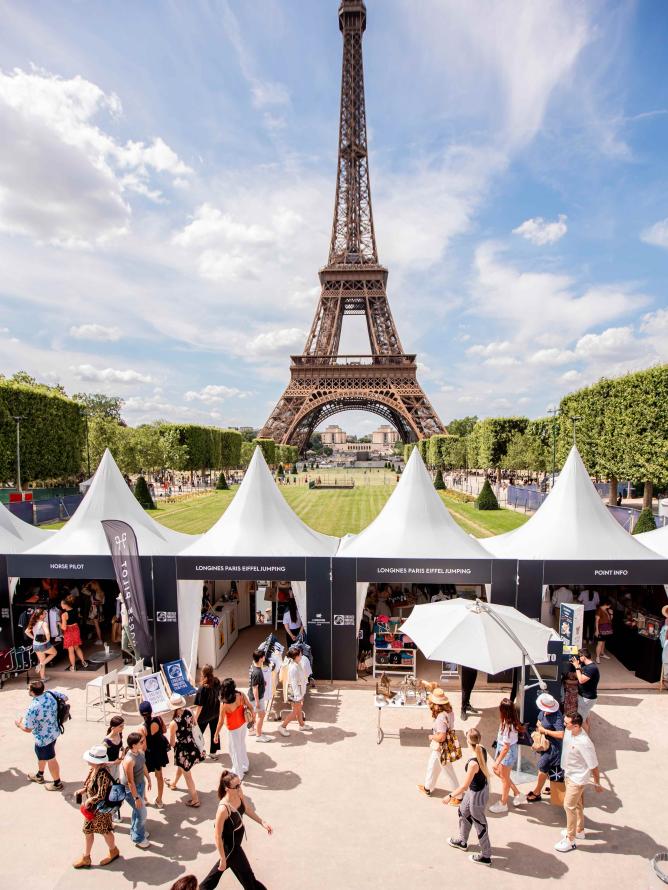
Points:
[(353, 282)]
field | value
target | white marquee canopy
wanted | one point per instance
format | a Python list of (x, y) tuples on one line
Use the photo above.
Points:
[(110, 498), (17, 536), (572, 523), (656, 540)]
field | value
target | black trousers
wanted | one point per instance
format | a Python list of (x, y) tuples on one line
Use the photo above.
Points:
[(589, 627), (240, 867), (213, 746), (468, 678)]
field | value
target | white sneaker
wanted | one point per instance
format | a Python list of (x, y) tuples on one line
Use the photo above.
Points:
[(519, 800), (306, 728), (607, 657), (580, 835), (283, 731), (147, 835), (264, 738), (499, 808), (143, 845), (564, 846)]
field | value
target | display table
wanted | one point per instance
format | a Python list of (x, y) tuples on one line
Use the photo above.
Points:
[(104, 658), (213, 644), (648, 660), (396, 704), (623, 644)]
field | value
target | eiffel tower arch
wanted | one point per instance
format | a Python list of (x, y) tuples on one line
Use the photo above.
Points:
[(323, 382)]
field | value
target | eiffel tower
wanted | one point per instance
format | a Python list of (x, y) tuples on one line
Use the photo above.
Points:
[(323, 382)]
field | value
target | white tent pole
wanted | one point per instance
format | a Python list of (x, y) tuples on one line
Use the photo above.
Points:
[(484, 607)]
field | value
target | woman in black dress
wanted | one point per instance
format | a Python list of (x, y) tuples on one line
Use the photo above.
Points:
[(157, 746), (186, 752), (229, 834), (207, 706)]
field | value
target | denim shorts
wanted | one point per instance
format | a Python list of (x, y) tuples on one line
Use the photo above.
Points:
[(41, 647), (46, 752), (511, 757)]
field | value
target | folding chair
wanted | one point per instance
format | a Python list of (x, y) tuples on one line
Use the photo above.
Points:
[(151, 687), (129, 673), (101, 685), (176, 677), (137, 677)]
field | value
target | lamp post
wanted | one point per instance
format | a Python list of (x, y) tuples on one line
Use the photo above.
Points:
[(554, 412), (87, 442), (574, 421), (18, 418)]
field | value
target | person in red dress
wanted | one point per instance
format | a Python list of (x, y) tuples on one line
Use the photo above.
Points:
[(71, 634)]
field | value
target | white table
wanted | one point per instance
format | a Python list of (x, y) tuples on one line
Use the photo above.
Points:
[(396, 704)]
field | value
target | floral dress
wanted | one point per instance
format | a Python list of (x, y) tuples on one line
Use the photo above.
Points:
[(186, 752), (97, 785)]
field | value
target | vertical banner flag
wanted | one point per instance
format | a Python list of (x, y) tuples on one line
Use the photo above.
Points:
[(123, 545)]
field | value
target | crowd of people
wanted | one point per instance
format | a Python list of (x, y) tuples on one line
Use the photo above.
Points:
[(566, 756), (129, 768)]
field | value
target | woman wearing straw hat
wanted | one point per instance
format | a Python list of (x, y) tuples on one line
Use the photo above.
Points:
[(186, 752), (444, 723), (551, 725), (96, 788)]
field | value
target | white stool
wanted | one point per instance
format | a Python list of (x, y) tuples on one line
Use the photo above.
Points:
[(101, 686)]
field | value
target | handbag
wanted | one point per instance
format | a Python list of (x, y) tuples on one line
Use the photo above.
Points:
[(40, 638), (540, 742), (198, 738), (451, 750), (88, 815), (523, 737)]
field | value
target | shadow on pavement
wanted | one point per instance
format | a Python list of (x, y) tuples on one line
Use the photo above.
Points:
[(524, 859)]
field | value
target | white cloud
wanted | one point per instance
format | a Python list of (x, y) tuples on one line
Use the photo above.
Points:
[(656, 234), (48, 123), (613, 342), (572, 376), (214, 393), (486, 350), (540, 232), (95, 332), (280, 341), (552, 356), (90, 374)]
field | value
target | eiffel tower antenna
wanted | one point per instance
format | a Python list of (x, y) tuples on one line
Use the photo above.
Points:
[(323, 382)]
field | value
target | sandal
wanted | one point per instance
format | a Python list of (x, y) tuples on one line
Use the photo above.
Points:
[(170, 784), (531, 797), (193, 804)]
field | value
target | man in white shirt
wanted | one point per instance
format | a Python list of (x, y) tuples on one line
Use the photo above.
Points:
[(580, 764)]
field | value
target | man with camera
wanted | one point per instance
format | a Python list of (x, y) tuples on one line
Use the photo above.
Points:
[(588, 676)]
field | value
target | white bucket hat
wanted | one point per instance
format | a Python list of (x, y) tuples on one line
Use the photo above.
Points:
[(177, 701), (97, 754)]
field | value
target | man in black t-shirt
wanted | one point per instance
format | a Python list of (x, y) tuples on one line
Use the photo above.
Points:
[(588, 676)]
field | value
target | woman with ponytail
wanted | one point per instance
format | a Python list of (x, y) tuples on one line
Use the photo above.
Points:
[(507, 741), (475, 791)]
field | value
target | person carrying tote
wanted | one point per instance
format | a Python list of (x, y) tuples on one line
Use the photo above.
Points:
[(186, 752), (233, 706), (550, 725), (475, 791), (230, 830), (444, 723), (95, 789)]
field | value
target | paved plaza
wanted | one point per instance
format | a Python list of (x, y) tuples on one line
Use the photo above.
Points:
[(345, 811)]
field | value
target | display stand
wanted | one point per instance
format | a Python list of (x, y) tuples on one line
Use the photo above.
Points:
[(391, 655), (213, 644)]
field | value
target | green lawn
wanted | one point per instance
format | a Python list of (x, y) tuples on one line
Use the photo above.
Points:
[(332, 512), (329, 511)]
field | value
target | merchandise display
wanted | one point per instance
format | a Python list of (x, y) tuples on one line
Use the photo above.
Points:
[(392, 651)]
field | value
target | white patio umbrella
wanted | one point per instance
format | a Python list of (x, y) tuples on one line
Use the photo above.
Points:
[(484, 636)]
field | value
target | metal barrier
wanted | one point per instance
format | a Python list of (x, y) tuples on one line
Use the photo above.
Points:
[(56, 509), (524, 498)]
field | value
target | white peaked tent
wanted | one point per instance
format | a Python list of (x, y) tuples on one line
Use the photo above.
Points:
[(572, 523), (414, 523), (110, 498), (16, 536), (258, 522), (656, 540)]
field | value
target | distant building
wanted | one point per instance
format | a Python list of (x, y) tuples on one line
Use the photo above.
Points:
[(333, 435), (384, 437)]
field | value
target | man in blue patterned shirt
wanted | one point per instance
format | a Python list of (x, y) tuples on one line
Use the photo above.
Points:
[(41, 719)]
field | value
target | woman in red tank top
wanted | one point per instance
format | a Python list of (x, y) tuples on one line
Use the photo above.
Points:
[(232, 714)]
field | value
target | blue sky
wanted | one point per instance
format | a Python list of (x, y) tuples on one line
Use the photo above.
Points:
[(167, 182)]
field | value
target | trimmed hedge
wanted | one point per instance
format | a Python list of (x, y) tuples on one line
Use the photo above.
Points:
[(222, 483), (486, 500), (53, 438), (439, 484), (645, 523), (208, 447), (143, 494), (268, 447)]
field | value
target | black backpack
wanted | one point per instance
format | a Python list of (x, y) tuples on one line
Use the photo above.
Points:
[(62, 711)]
